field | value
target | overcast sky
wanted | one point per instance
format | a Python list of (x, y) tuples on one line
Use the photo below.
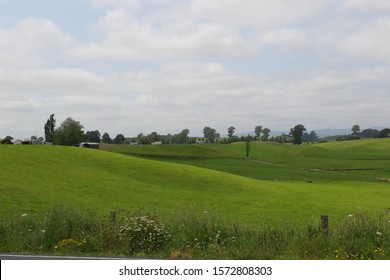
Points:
[(131, 66)]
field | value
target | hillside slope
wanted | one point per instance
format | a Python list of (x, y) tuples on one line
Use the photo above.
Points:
[(36, 177)]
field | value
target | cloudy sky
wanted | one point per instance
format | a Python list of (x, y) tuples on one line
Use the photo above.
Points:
[(131, 66)]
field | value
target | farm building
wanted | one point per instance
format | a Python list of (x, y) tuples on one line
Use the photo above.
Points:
[(89, 145)]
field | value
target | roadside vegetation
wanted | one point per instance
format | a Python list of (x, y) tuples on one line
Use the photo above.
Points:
[(193, 234)]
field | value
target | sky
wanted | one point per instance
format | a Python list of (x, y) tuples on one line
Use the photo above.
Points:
[(132, 66)]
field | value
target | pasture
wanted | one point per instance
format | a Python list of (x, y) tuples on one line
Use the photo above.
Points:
[(203, 190), (279, 181)]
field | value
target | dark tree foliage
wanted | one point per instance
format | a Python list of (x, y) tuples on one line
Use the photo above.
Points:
[(297, 133), (384, 133), (69, 133), (92, 136), (106, 138), (7, 140), (266, 131), (210, 133), (258, 130), (50, 128), (247, 145), (369, 133), (120, 139), (231, 131), (310, 137)]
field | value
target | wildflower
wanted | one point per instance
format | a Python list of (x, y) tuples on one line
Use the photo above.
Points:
[(43, 231), (378, 233), (350, 216), (24, 215)]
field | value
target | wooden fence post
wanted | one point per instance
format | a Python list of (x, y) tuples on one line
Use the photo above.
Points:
[(324, 223), (113, 216)]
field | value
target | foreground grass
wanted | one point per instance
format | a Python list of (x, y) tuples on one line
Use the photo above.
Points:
[(191, 234)]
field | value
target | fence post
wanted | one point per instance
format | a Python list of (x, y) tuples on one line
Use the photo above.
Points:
[(324, 223), (113, 216)]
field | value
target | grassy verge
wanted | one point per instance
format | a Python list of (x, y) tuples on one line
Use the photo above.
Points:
[(194, 234)]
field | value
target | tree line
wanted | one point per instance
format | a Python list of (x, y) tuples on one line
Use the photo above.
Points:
[(71, 132)]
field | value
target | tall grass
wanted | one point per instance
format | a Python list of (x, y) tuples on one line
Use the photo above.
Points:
[(193, 233)]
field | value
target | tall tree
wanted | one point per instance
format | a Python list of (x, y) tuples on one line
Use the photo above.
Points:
[(210, 134), (50, 128), (355, 129), (266, 131), (69, 133), (119, 139), (297, 133), (106, 138), (231, 131), (247, 145), (258, 130)]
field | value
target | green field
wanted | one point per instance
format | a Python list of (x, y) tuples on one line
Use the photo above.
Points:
[(279, 181)]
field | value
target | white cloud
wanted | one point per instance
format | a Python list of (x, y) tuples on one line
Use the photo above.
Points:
[(367, 5), (20, 45), (285, 38), (371, 42)]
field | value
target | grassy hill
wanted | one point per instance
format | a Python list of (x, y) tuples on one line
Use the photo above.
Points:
[(279, 182)]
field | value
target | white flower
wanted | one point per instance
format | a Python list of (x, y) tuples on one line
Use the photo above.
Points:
[(43, 231), (350, 216), (378, 233), (24, 215)]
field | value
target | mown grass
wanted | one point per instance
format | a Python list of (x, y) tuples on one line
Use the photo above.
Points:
[(193, 234)]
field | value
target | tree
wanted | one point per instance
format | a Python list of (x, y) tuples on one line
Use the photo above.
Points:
[(183, 136), (266, 131), (297, 133), (7, 140), (119, 139), (92, 136), (106, 138), (69, 133), (384, 133), (210, 134), (231, 131), (50, 128), (247, 145), (153, 137), (355, 129), (369, 133), (258, 130)]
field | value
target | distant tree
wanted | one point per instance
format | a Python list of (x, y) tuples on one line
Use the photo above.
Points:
[(119, 139), (384, 133), (184, 136), (7, 140), (153, 137), (247, 145), (266, 131), (231, 131), (258, 130), (355, 129), (69, 133), (92, 136), (49, 128), (369, 133), (309, 137), (106, 138), (143, 140), (297, 133), (210, 134)]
